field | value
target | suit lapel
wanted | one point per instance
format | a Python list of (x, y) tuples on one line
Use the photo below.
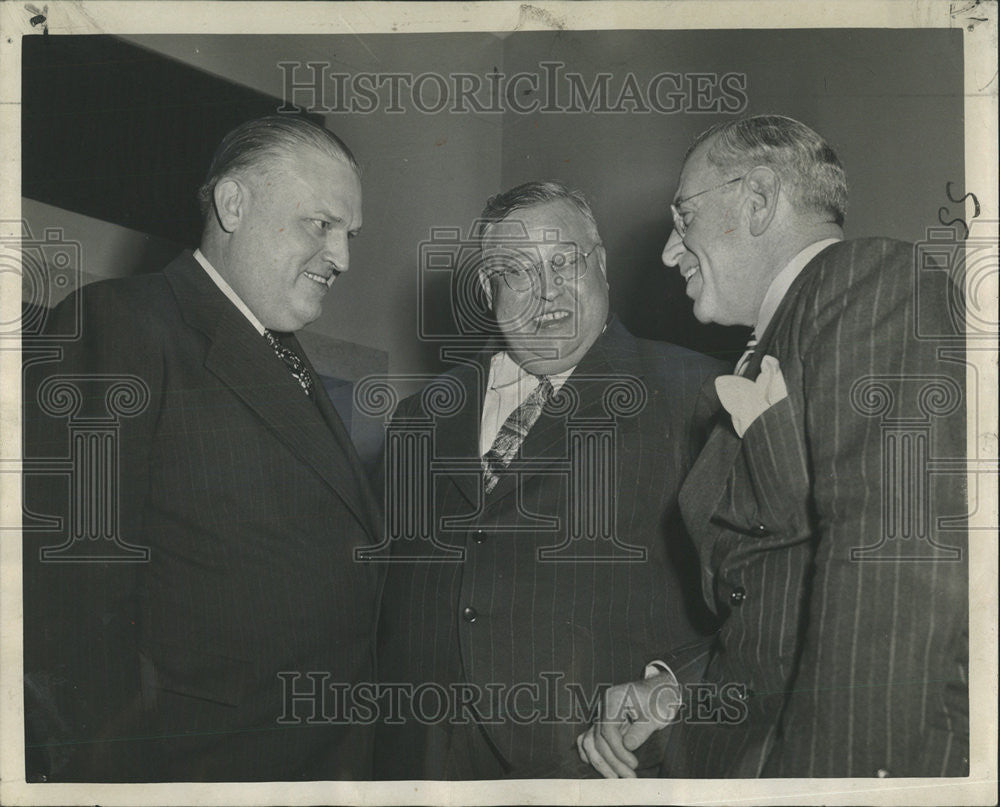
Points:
[(613, 356), (458, 438), (339, 430), (702, 493), (243, 361), (766, 342)]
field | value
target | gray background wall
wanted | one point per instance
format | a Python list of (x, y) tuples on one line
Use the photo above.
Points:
[(890, 101)]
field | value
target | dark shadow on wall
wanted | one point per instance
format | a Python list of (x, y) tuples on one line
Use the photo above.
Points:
[(650, 300), (122, 134)]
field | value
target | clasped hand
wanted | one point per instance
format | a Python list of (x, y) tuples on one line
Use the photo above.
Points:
[(630, 713)]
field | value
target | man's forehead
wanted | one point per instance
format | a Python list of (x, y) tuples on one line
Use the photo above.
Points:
[(696, 172), (312, 167), (557, 221), (318, 182)]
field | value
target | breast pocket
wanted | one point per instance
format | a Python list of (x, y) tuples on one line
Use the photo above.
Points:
[(768, 482)]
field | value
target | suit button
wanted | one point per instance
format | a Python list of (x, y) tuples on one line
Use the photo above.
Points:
[(760, 529), (480, 536), (469, 614), (739, 594)]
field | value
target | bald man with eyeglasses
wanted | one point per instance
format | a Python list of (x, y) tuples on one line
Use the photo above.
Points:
[(557, 564)]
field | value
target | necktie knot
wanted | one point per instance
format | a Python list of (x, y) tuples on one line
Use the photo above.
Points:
[(292, 360), (544, 389)]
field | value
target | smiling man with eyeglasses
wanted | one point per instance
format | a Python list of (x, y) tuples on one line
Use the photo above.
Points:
[(544, 274), (561, 499), (833, 554)]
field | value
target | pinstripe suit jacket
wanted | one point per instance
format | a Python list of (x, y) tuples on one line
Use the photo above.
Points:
[(549, 623), (823, 541), (251, 500)]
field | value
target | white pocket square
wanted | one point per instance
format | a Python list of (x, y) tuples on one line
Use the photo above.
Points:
[(746, 400)]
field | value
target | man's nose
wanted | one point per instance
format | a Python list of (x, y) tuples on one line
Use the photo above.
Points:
[(550, 281), (673, 250), (336, 251)]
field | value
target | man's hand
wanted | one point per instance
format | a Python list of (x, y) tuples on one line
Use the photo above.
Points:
[(630, 714)]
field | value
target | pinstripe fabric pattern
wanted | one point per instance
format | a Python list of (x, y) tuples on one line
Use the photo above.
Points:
[(547, 624), (854, 665), (251, 500)]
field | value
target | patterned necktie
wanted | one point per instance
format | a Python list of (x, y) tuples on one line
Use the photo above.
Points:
[(293, 361), (512, 433), (744, 361)]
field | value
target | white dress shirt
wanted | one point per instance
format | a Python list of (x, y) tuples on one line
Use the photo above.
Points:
[(507, 387), (782, 282), (226, 289)]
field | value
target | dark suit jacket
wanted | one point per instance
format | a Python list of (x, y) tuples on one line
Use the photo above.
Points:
[(250, 500), (823, 539), (561, 626)]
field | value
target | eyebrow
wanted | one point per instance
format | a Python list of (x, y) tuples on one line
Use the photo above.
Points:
[(326, 213)]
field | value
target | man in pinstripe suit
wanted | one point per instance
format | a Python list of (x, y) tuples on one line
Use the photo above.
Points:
[(172, 652), (844, 612), (557, 563)]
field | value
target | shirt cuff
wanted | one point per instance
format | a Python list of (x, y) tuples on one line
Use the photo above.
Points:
[(666, 682), (657, 667)]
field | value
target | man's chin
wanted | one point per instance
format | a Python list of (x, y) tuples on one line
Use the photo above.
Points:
[(702, 313), (293, 321), (543, 360), (716, 317)]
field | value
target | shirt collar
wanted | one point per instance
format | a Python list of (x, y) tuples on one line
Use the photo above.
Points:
[(783, 280), (505, 372), (226, 289)]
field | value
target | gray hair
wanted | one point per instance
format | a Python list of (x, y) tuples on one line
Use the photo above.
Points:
[(256, 144), (500, 206), (805, 162)]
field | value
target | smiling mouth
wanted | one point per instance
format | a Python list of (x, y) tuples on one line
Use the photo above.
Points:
[(322, 281), (551, 318)]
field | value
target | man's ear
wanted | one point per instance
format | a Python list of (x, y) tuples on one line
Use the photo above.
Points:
[(602, 261), (764, 185), (230, 198)]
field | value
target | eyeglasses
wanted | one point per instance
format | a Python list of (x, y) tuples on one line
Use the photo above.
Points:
[(567, 266), (679, 224)]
